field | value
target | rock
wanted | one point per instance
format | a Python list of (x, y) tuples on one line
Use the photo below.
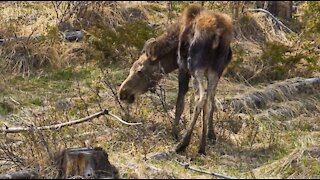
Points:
[(159, 156)]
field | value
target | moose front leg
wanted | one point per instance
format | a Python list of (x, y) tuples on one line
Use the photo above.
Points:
[(200, 78), (184, 79)]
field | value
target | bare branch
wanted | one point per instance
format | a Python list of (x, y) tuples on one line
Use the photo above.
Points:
[(187, 166), (272, 16), (124, 122), (57, 126)]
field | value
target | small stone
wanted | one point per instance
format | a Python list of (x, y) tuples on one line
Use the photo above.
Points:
[(159, 156)]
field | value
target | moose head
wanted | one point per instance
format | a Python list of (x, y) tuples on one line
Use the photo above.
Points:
[(157, 58)]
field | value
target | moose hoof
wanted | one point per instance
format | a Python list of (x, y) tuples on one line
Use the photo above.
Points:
[(202, 151), (212, 138), (175, 135)]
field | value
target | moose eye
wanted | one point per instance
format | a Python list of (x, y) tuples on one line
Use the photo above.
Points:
[(139, 73), (152, 62)]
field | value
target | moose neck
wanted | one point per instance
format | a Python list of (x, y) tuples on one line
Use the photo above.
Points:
[(169, 62)]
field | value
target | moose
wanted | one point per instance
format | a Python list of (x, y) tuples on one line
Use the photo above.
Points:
[(198, 45)]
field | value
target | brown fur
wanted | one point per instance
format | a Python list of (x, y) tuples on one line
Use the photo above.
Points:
[(198, 25), (211, 24), (186, 26), (162, 45), (187, 19)]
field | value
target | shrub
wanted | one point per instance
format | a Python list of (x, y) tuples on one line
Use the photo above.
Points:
[(288, 61), (311, 15), (115, 43), (277, 62)]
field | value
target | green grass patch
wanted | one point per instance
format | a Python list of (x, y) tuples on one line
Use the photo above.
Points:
[(36, 101), (5, 108)]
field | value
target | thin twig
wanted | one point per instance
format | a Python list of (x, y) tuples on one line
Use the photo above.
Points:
[(84, 102), (57, 126), (111, 86), (187, 166)]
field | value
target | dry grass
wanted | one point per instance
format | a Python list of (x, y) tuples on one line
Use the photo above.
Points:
[(278, 140)]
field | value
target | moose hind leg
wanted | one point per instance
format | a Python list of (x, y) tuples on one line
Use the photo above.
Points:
[(213, 79), (184, 79), (199, 76)]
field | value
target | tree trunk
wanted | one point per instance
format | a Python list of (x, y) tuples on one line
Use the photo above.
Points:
[(235, 9), (290, 9), (169, 11), (281, 9)]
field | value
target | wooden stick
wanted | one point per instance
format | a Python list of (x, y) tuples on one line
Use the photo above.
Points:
[(124, 122), (187, 166), (272, 16), (57, 126)]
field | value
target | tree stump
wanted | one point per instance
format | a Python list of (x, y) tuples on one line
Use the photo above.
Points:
[(85, 163)]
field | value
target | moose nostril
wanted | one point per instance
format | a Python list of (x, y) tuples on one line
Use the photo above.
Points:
[(130, 99)]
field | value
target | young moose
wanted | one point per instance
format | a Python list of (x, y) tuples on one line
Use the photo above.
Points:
[(199, 46)]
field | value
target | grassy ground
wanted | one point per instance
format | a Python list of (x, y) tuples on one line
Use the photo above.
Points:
[(280, 140)]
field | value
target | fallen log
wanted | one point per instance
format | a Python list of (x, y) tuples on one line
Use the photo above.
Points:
[(24, 174), (68, 35), (275, 92)]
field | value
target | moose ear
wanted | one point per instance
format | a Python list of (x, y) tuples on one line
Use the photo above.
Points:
[(151, 52), (149, 48)]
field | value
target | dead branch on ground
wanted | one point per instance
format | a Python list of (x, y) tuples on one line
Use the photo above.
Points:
[(187, 166), (58, 126)]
